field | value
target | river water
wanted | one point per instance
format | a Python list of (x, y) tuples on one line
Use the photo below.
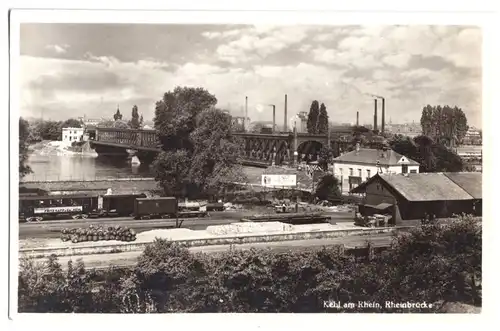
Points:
[(79, 167)]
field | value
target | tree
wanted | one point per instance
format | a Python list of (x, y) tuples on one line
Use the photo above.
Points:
[(312, 117), (326, 156), (201, 154), (24, 134), (117, 116), (432, 156), (322, 126), (445, 125), (328, 188), (71, 123), (135, 122), (216, 151), (175, 115), (141, 121), (171, 170)]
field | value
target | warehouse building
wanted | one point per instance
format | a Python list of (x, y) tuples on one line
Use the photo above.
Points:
[(416, 195)]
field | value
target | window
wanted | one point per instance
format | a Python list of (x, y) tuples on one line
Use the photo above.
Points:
[(368, 173), (360, 172), (413, 171), (404, 168), (351, 171)]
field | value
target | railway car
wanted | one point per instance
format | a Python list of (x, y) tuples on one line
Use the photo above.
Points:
[(147, 208), (167, 207), (38, 208)]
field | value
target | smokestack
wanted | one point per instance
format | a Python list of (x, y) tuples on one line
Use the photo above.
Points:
[(382, 128), (274, 117), (357, 118), (246, 114), (285, 123), (375, 117)]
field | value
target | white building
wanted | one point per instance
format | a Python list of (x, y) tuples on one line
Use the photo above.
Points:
[(72, 134), (357, 166)]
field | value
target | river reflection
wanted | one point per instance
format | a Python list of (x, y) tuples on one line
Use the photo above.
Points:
[(78, 167)]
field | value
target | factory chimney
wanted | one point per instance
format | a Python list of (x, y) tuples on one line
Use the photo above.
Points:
[(285, 123), (375, 128), (246, 114), (274, 118), (382, 125), (357, 118)]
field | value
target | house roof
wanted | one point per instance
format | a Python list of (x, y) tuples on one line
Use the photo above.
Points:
[(421, 186), (371, 156), (470, 182)]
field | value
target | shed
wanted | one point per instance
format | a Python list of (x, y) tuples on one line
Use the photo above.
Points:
[(418, 195)]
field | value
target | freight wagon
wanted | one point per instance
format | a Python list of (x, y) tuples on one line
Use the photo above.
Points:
[(117, 205), (167, 207), (38, 208)]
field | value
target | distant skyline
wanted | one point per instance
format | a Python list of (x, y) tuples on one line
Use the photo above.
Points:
[(72, 70)]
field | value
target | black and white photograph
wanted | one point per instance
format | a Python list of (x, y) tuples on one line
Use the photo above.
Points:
[(246, 167)]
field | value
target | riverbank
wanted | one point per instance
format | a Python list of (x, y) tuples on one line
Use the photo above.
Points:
[(60, 148)]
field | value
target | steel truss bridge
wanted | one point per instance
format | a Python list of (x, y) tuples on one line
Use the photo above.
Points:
[(258, 148)]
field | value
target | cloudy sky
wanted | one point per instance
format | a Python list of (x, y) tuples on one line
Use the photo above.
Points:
[(71, 70)]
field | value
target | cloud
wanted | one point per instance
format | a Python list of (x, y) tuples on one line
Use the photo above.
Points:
[(59, 49), (259, 42), (410, 66)]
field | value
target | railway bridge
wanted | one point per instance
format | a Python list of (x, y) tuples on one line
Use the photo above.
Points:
[(259, 149)]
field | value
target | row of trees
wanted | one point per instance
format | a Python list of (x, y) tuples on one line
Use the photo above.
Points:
[(433, 156), (200, 154), (432, 264), (317, 119), (50, 130), (446, 125)]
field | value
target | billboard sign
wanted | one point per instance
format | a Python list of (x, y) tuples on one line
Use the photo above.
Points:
[(58, 210), (279, 180)]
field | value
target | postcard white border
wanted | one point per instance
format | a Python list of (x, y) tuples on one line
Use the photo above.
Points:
[(490, 93)]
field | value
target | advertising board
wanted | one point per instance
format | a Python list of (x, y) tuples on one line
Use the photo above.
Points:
[(58, 210), (279, 180)]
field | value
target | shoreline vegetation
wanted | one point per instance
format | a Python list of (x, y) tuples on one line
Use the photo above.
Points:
[(438, 265)]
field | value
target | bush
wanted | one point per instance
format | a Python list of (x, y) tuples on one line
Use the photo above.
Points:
[(434, 263)]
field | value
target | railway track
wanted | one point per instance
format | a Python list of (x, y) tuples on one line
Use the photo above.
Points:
[(127, 259), (52, 229)]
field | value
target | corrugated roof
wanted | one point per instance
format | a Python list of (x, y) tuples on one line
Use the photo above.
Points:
[(426, 187), (471, 182), (370, 156)]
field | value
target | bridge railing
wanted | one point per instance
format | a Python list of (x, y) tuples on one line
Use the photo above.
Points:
[(130, 137)]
